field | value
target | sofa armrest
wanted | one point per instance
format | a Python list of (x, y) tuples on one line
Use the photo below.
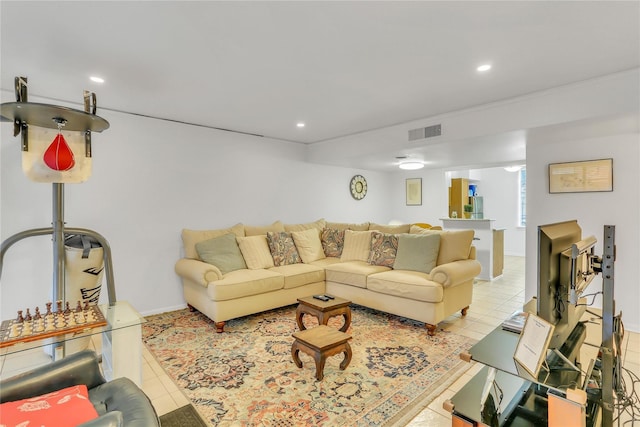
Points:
[(197, 271), (78, 368), (110, 419), (456, 272)]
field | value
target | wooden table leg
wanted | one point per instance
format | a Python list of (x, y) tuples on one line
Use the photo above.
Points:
[(295, 354), (347, 356), (299, 314), (347, 320)]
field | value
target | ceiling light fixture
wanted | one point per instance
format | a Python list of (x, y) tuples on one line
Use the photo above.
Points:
[(96, 79), (411, 165), (513, 168), (300, 124), (484, 67)]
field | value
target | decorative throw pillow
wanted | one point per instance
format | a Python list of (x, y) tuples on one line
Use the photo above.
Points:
[(332, 242), (417, 252), (357, 245), (191, 237), (455, 245), (283, 248), (255, 251), (223, 252), (383, 249), (67, 407), (308, 245)]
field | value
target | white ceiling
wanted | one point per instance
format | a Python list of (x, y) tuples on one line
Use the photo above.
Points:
[(341, 67)]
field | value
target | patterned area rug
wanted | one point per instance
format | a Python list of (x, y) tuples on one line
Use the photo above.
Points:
[(186, 416), (246, 376)]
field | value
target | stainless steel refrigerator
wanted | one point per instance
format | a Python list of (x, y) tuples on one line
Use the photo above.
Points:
[(477, 212)]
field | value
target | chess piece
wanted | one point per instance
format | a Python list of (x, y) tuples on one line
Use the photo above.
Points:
[(79, 307), (48, 309), (59, 305), (37, 315), (26, 329), (14, 331), (39, 325), (27, 317), (80, 318), (50, 326), (86, 306), (67, 310), (72, 320), (20, 318)]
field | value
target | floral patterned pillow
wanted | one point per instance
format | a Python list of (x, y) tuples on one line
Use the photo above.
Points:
[(332, 242), (283, 249), (383, 249)]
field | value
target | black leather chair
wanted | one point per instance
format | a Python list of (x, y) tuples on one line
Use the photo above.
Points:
[(119, 403)]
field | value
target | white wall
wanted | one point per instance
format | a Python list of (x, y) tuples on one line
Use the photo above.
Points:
[(151, 178), (617, 139)]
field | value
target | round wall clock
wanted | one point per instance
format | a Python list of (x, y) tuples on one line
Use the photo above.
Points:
[(358, 187)]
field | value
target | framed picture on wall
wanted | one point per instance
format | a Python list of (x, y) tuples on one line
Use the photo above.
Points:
[(580, 177), (414, 191)]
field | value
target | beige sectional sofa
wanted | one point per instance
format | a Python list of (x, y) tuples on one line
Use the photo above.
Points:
[(410, 271)]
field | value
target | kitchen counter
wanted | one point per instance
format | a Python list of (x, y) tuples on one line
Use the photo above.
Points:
[(488, 240)]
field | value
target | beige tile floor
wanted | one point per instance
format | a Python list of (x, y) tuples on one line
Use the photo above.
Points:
[(493, 301)]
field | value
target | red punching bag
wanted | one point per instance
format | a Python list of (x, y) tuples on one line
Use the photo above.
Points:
[(59, 156)]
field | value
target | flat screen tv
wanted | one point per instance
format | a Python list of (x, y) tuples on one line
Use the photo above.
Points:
[(565, 268)]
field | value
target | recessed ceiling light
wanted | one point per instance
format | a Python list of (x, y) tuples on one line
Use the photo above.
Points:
[(96, 79), (300, 124), (484, 67)]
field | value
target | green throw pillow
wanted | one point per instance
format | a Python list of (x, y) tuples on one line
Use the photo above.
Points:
[(417, 252), (223, 252)]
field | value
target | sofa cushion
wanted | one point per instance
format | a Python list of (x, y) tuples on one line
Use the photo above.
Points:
[(332, 241), (316, 225), (283, 249), (390, 229), (364, 226), (191, 237), (223, 252), (252, 230), (67, 407), (383, 249), (324, 262), (296, 275), (454, 244), (308, 244), (242, 283), (352, 273), (357, 245), (255, 251), (406, 284), (417, 252)]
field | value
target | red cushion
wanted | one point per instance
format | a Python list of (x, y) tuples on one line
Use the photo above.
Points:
[(63, 408)]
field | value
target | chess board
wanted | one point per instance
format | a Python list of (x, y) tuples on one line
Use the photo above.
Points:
[(32, 328)]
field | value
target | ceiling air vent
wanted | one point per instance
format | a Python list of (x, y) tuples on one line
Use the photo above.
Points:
[(422, 133)]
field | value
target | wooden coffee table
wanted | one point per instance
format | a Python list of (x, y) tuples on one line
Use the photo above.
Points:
[(324, 310), (321, 342)]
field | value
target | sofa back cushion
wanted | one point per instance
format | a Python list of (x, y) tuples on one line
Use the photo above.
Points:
[(417, 252), (363, 226), (191, 237), (283, 248), (332, 242), (308, 244), (383, 249), (317, 225), (357, 246), (255, 251), (253, 230), (455, 245), (223, 252), (390, 229)]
